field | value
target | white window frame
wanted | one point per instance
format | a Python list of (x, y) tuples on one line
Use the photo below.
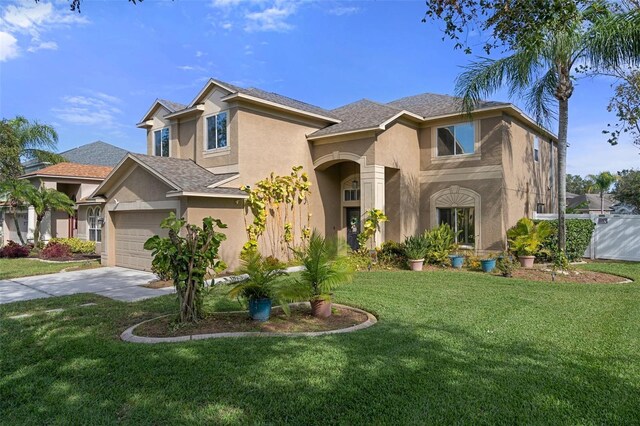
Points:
[(456, 157), (205, 133), (153, 141), (93, 216)]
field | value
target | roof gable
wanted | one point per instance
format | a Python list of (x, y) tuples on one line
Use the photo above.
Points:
[(97, 153), (72, 170), (433, 105)]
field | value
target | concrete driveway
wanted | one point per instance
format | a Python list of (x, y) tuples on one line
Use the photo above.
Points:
[(113, 282)]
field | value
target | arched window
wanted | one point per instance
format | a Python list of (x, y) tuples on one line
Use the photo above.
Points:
[(460, 209), (95, 231)]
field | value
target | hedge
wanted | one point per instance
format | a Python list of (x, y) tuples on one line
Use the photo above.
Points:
[(76, 245), (579, 233)]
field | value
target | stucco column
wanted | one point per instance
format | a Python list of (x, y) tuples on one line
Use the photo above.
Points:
[(31, 223), (372, 194), (45, 227)]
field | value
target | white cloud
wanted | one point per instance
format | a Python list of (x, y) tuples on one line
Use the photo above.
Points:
[(96, 109), (29, 20), (45, 45), (343, 10), (190, 68), (8, 46), (255, 15), (199, 54)]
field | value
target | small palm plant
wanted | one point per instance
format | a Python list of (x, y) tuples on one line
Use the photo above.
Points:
[(262, 285), (44, 200), (325, 268), (527, 238)]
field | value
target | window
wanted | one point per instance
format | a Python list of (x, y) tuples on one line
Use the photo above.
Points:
[(461, 220), (536, 149), (540, 208), (161, 142), (456, 140), (95, 231), (217, 131)]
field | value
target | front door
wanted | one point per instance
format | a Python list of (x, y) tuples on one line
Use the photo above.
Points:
[(353, 226)]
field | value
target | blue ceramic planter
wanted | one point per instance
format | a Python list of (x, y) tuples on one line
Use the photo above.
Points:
[(488, 265), (260, 309), (457, 261)]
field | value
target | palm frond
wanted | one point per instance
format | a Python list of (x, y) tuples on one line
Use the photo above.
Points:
[(540, 98), (614, 41)]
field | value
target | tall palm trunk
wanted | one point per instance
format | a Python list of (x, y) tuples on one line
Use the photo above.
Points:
[(564, 90), (36, 230), (14, 213), (601, 202)]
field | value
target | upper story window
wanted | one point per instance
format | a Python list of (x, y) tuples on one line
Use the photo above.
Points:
[(216, 131), (458, 139), (536, 149), (161, 142)]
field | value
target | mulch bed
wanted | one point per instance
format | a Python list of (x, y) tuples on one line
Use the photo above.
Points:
[(579, 276), (76, 257), (159, 284), (300, 320)]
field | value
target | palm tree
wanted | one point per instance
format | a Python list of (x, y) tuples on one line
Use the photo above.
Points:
[(25, 140), (45, 199), (544, 72), (602, 182), (16, 192)]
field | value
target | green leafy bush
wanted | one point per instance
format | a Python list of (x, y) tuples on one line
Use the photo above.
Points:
[(506, 263), (76, 245), (527, 238), (392, 254), (579, 233), (440, 242), (415, 247)]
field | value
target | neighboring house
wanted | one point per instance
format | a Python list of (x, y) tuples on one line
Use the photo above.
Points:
[(623, 208), (589, 203), (417, 158), (77, 179)]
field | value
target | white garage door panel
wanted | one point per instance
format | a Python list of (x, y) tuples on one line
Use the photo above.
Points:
[(132, 230)]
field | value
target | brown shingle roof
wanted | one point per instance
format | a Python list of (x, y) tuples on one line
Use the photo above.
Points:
[(73, 170)]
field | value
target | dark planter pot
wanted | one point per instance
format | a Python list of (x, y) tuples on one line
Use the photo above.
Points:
[(321, 308), (457, 261), (260, 309), (488, 265)]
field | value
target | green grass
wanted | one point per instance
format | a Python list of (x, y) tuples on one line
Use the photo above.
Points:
[(25, 267), (449, 348)]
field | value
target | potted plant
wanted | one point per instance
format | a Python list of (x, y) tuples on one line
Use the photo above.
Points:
[(526, 239), (506, 264), (261, 286), (488, 264), (325, 268), (457, 260), (415, 248)]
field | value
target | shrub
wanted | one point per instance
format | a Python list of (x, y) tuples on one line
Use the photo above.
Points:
[(415, 247), (76, 245), (506, 264), (13, 250), (392, 254), (55, 250), (579, 233), (527, 238), (440, 242)]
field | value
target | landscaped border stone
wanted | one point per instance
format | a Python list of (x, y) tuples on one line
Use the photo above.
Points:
[(128, 335)]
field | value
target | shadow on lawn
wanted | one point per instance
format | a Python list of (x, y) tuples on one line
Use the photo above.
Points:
[(394, 372)]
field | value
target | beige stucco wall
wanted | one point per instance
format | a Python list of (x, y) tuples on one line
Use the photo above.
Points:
[(140, 185)]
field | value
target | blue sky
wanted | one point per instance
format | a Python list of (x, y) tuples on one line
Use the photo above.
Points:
[(93, 75)]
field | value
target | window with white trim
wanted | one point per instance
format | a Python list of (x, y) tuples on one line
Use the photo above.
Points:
[(93, 224), (161, 142), (458, 139), (462, 221), (536, 149), (216, 131)]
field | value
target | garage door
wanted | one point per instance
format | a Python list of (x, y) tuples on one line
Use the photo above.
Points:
[(132, 230)]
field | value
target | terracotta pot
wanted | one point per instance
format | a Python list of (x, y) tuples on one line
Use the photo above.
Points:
[(416, 265), (526, 261), (321, 308)]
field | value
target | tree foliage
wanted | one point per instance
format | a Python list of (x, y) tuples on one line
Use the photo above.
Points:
[(627, 189), (190, 252), (21, 140), (602, 183), (44, 200), (15, 192), (577, 184), (625, 104)]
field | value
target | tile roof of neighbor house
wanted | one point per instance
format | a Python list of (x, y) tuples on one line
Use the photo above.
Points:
[(97, 153), (187, 176), (592, 200), (73, 170)]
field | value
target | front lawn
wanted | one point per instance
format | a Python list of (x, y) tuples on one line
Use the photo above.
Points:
[(448, 348), (24, 267)]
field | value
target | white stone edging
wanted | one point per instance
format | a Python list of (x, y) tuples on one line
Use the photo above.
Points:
[(128, 335), (237, 278)]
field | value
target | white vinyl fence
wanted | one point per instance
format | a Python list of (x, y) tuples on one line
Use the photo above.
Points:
[(615, 237)]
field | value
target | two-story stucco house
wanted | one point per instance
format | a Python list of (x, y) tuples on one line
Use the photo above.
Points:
[(417, 158)]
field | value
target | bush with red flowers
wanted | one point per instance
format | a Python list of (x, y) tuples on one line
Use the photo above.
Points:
[(54, 250), (12, 250)]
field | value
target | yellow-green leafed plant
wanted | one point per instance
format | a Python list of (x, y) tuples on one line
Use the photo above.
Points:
[(375, 217), (527, 238)]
